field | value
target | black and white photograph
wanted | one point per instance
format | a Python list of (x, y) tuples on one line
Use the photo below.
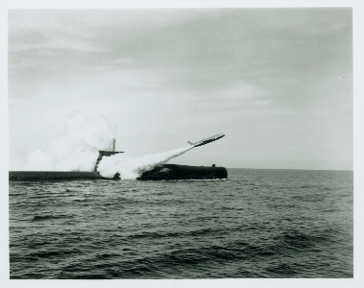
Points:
[(175, 143)]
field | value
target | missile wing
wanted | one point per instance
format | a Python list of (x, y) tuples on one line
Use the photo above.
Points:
[(206, 140)]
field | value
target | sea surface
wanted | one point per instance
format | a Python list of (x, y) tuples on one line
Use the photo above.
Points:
[(256, 224)]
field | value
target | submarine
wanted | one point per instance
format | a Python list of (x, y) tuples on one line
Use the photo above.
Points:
[(160, 172)]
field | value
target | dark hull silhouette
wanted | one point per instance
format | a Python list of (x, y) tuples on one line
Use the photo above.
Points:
[(52, 175), (163, 172), (179, 172)]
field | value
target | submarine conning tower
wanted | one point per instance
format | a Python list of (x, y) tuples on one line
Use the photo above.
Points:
[(103, 153)]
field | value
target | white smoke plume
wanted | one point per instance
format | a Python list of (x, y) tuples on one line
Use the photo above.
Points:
[(131, 168), (77, 149)]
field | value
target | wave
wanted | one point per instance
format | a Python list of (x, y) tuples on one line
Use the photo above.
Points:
[(49, 217)]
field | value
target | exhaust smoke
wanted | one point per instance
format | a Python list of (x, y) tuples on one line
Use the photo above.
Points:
[(131, 168)]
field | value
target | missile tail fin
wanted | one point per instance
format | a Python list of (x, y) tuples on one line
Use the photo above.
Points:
[(189, 142)]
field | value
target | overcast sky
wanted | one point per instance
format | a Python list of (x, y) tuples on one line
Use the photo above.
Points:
[(276, 82)]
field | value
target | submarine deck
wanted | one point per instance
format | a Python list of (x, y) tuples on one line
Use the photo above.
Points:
[(162, 172)]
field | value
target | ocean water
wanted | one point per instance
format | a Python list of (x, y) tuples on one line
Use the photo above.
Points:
[(255, 224)]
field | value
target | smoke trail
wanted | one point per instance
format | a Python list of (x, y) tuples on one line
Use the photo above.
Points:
[(77, 149), (131, 168)]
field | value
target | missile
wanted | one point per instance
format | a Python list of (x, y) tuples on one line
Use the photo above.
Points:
[(206, 140)]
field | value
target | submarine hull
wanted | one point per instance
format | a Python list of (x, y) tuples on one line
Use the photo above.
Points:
[(52, 175), (162, 172), (180, 172)]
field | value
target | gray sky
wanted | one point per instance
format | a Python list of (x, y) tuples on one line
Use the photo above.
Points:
[(276, 82)]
